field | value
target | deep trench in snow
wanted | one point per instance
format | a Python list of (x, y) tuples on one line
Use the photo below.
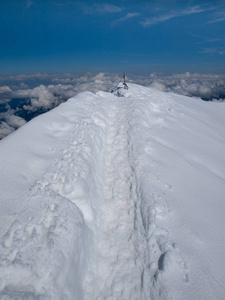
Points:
[(122, 260)]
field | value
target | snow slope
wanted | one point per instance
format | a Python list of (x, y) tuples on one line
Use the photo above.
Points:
[(115, 197)]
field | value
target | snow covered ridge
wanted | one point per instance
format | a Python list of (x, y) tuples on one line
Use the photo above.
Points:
[(24, 97), (108, 197)]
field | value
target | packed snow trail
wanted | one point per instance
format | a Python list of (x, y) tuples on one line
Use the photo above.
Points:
[(130, 246), (94, 208)]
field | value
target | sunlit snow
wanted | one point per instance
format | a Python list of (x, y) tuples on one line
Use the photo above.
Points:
[(115, 196)]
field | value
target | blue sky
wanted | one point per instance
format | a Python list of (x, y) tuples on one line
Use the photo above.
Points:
[(112, 36)]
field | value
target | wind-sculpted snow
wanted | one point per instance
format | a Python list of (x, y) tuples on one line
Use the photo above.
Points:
[(115, 197)]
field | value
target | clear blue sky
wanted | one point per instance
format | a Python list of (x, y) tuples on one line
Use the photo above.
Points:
[(112, 36)]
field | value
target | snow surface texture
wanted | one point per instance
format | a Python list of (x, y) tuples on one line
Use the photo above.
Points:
[(115, 197)]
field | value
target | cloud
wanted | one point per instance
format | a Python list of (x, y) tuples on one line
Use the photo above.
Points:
[(22, 77), (5, 129), (158, 86), (209, 50), (109, 8), (218, 15), (101, 8), (216, 20), (5, 89), (156, 20), (14, 121), (213, 40), (40, 97), (125, 18), (5, 93), (9, 123), (213, 51), (171, 15)]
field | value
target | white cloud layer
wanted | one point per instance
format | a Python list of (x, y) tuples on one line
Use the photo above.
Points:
[(5, 129), (40, 97)]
